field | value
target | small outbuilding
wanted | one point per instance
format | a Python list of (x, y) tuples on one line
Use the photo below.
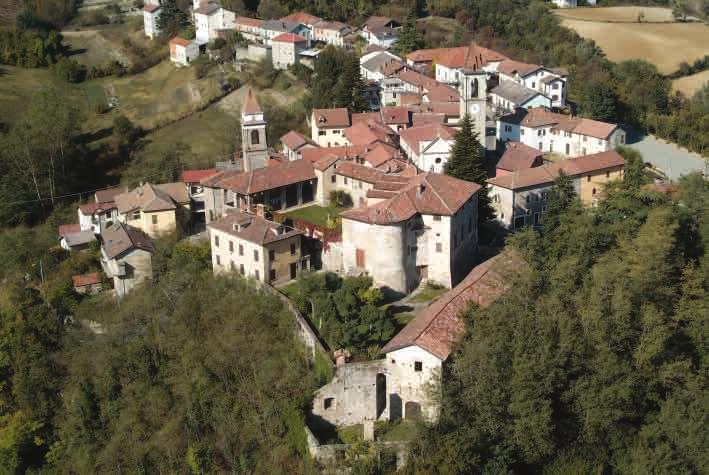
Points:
[(182, 51)]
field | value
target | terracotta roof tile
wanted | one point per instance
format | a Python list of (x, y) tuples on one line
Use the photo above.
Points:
[(511, 67), (180, 41), (65, 229), (246, 21), (302, 17), (83, 280), (519, 156), (195, 176), (109, 194), (121, 238), (262, 179), (252, 228), (91, 208), (331, 118), (365, 133), (546, 174), (427, 193), (150, 8), (289, 38), (295, 140), (538, 117), (439, 326), (413, 136), (251, 105), (395, 115)]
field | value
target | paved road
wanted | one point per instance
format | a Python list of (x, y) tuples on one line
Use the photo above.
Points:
[(672, 159)]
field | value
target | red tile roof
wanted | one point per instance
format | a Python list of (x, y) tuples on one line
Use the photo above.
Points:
[(546, 174), (91, 208), (472, 56), (439, 326), (253, 228), (150, 8), (349, 151), (65, 229), (301, 17), (262, 179), (417, 79), (289, 38), (295, 140), (427, 193), (511, 67), (442, 93), (195, 176), (413, 136), (395, 115), (83, 280), (251, 105), (180, 41), (331, 118), (427, 118), (519, 156), (538, 117), (253, 22), (365, 133), (380, 154)]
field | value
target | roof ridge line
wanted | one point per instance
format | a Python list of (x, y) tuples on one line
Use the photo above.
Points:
[(436, 193)]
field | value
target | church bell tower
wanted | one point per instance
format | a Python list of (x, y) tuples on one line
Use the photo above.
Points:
[(473, 99), (254, 149)]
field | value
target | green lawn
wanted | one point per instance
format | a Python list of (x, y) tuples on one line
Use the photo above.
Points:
[(350, 434), (95, 94), (319, 215), (385, 431), (429, 292)]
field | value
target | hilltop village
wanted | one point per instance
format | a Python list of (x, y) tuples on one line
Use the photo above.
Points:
[(365, 194)]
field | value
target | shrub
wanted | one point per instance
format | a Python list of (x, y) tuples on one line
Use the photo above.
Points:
[(69, 70), (341, 199)]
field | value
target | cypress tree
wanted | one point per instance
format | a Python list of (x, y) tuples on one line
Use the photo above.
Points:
[(466, 163)]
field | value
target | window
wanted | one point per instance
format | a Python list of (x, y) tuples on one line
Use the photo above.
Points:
[(521, 131), (273, 275), (292, 249), (545, 195), (436, 217), (519, 222), (257, 275), (439, 247), (584, 138), (526, 199), (241, 269), (328, 402), (418, 366), (622, 139), (555, 86), (336, 131), (608, 174), (540, 145), (345, 180), (321, 133), (539, 132), (567, 149), (593, 192), (333, 179), (216, 241), (588, 178), (135, 215), (154, 219), (533, 84), (219, 261), (254, 137), (241, 249), (231, 246), (256, 255)]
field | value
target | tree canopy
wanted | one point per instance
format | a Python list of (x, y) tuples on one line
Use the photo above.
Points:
[(595, 360)]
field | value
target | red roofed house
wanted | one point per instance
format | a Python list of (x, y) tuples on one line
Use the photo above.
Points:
[(428, 146), (151, 12), (558, 133), (294, 143), (549, 81), (331, 32), (303, 18), (425, 230), (285, 49), (182, 51), (518, 156), (255, 247), (400, 386), (250, 28), (519, 198), (89, 284), (126, 257), (327, 126)]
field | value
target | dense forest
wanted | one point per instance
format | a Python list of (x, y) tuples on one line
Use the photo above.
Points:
[(595, 361), (193, 374)]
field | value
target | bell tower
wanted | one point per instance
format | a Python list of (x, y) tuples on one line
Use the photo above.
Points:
[(473, 99), (254, 149)]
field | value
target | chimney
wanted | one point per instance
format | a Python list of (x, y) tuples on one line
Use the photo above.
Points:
[(261, 210)]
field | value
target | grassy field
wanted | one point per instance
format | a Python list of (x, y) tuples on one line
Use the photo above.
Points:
[(162, 93), (16, 88), (688, 85), (428, 293), (664, 44), (316, 214), (652, 14)]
